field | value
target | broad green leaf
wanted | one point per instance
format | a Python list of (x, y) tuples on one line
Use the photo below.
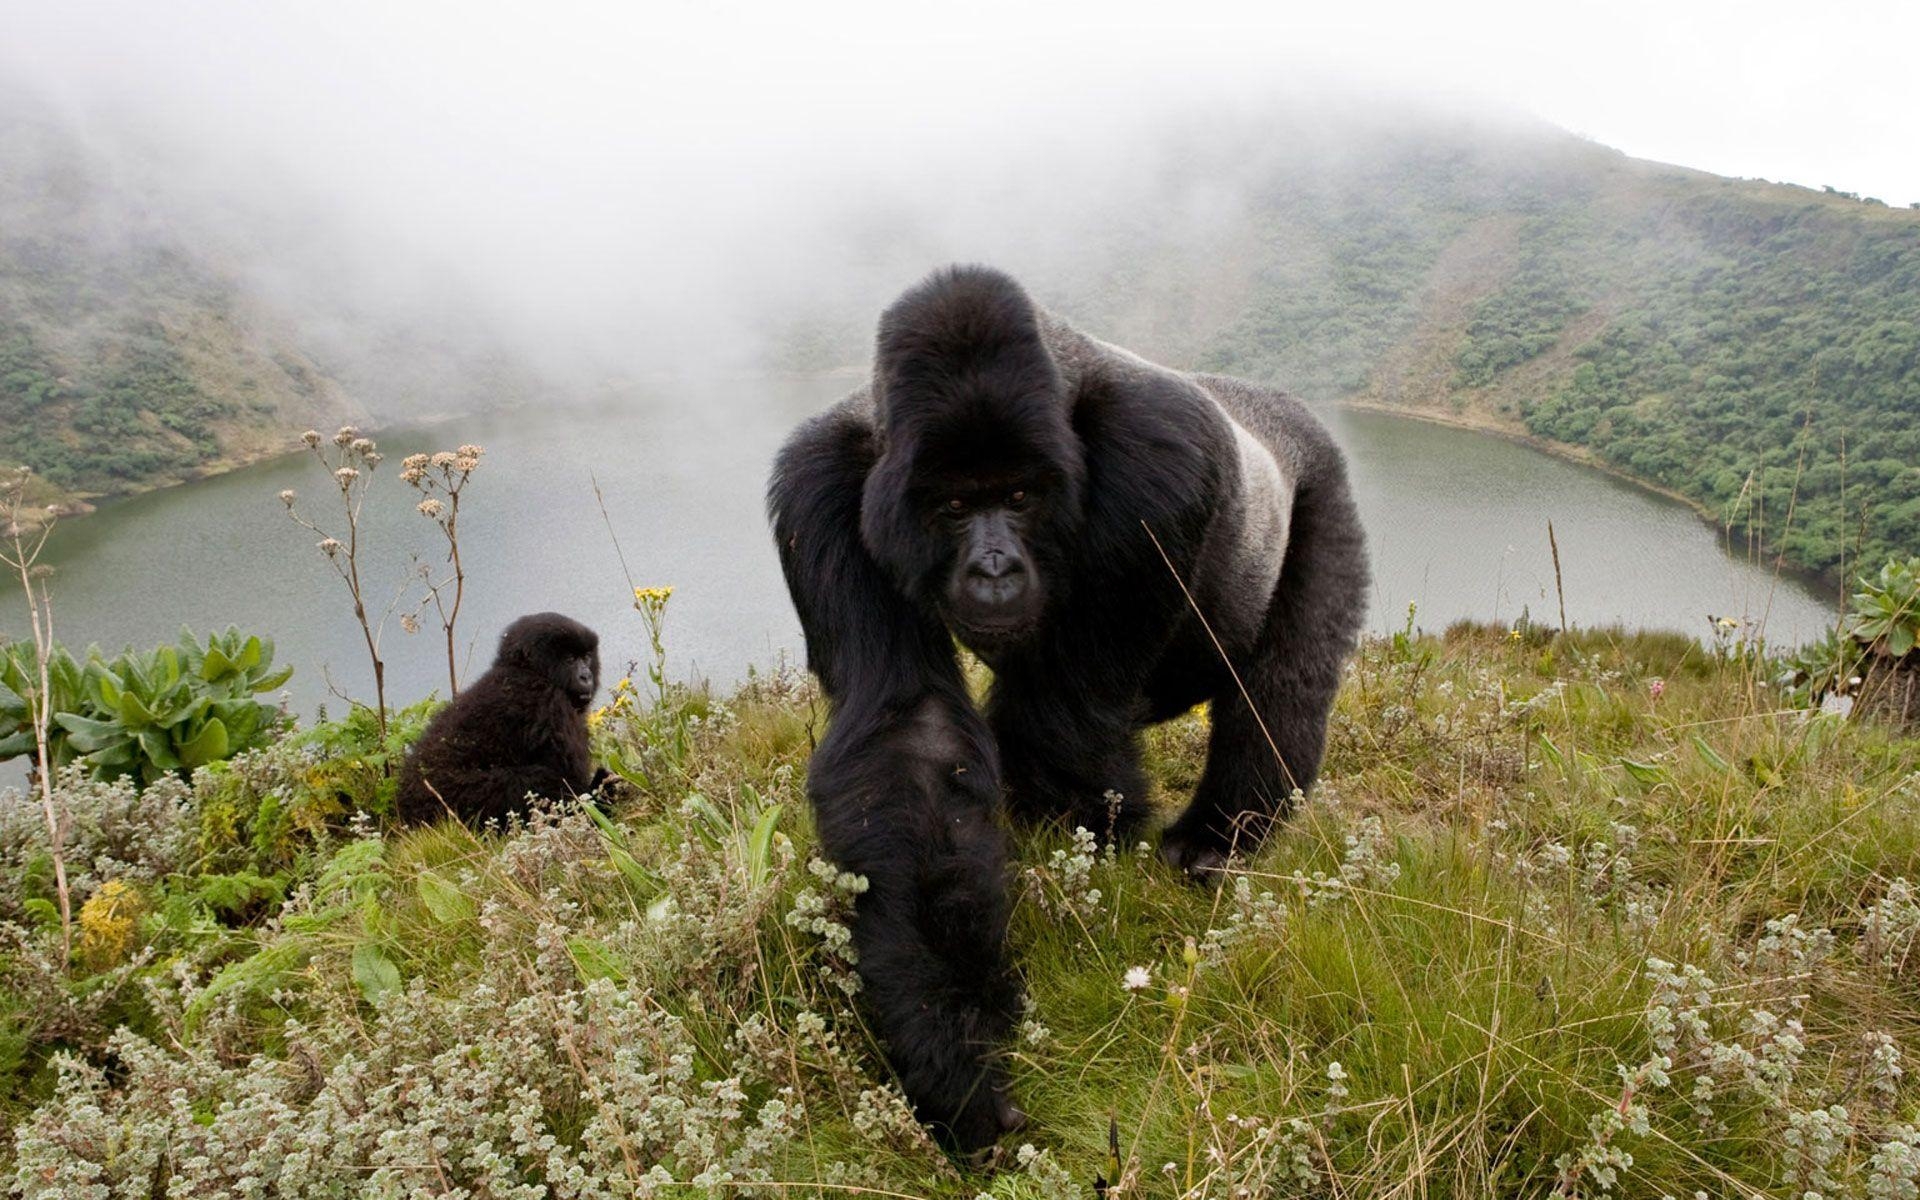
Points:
[(1708, 755), (1649, 774), (1900, 640), (88, 734), (214, 665), (444, 899), (760, 845), (595, 960), (374, 971), (209, 745), (133, 712), (159, 750)]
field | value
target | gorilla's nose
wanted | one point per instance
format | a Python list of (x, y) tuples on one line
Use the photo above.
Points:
[(995, 578)]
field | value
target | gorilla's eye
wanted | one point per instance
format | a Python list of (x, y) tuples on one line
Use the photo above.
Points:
[(956, 505), (1017, 499)]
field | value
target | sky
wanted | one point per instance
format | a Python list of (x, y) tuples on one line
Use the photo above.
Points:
[(581, 159), (1812, 94)]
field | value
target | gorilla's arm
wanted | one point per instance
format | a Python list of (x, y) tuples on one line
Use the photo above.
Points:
[(1291, 674), (904, 789)]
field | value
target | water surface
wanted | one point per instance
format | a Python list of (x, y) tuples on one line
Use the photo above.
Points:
[(1456, 520)]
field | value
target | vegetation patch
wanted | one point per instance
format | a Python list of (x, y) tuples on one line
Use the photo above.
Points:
[(1592, 914)]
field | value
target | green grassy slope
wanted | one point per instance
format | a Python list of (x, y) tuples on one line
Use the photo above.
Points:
[(1566, 910)]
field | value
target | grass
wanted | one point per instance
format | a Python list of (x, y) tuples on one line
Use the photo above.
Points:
[(1462, 970)]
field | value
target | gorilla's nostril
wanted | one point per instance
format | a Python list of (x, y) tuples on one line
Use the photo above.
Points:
[(996, 564)]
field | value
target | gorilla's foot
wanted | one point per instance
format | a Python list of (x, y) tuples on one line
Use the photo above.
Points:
[(1200, 857)]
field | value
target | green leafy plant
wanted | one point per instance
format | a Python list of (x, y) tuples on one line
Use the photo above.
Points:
[(1886, 610), (146, 714), (19, 681)]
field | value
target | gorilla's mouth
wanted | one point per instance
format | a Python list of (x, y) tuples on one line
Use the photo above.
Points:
[(978, 630)]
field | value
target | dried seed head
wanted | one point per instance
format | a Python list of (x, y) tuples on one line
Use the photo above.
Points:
[(471, 451), (329, 546), (414, 462), (345, 436), (286, 497), (409, 623), (311, 437), (346, 475), (430, 507)]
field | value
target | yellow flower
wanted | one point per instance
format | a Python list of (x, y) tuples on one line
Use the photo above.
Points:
[(597, 717), (107, 923), (651, 595), (1513, 635), (623, 684)]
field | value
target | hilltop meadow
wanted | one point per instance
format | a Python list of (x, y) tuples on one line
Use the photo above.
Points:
[(1585, 914)]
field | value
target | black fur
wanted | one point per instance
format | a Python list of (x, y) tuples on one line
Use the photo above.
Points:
[(520, 728), (1004, 480)]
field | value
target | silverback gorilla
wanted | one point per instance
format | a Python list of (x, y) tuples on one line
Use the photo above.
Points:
[(519, 728), (1119, 542)]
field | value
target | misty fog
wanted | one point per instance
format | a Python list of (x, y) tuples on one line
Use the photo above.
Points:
[(460, 205)]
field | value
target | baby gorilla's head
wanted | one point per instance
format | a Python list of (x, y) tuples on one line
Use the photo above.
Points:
[(560, 650)]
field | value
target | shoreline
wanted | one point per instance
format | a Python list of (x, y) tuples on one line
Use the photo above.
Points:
[(1479, 423)]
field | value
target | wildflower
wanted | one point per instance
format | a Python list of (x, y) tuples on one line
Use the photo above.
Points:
[(1656, 689), (471, 451), (430, 507), (1137, 979), (651, 595), (373, 460), (409, 622), (107, 922), (346, 475), (362, 446), (1513, 635), (1727, 623), (311, 437), (443, 458), (598, 716), (329, 546), (414, 462), (286, 497), (623, 685), (346, 435)]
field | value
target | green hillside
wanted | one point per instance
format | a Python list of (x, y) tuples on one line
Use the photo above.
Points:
[(1754, 347), (128, 358)]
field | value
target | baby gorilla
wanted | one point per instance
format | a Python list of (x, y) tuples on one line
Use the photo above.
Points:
[(520, 728)]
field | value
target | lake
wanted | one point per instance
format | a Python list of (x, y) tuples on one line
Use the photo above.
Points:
[(1457, 523)]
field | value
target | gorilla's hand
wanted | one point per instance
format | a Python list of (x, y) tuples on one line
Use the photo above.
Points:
[(600, 776)]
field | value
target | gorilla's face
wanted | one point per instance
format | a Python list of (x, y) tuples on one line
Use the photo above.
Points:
[(579, 675), (995, 590), (562, 652)]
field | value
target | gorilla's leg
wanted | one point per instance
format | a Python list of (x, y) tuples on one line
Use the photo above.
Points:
[(913, 807), (905, 791), (1254, 765), (1064, 753), (480, 796)]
